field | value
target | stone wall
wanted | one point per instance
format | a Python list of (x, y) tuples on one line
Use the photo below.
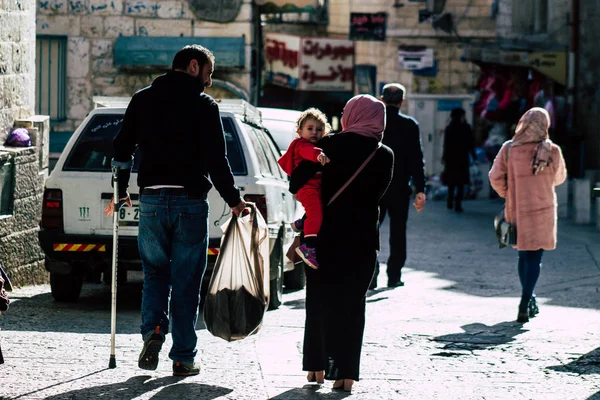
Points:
[(403, 28), (92, 27), (17, 62), (23, 170), (513, 17), (588, 80)]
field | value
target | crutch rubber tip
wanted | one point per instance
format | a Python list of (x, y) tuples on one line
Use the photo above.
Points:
[(112, 363)]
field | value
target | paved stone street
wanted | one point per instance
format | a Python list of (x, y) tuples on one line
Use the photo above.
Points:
[(448, 334)]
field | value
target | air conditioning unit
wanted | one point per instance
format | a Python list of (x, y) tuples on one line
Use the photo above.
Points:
[(436, 6), (413, 60)]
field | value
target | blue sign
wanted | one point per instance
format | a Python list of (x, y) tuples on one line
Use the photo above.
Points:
[(365, 78), (449, 105)]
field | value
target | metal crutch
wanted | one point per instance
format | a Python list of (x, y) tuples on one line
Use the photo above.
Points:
[(112, 363)]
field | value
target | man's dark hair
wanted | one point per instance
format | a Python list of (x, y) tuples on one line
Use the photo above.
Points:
[(393, 93), (192, 52)]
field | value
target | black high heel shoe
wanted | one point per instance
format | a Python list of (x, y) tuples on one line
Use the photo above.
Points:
[(533, 308)]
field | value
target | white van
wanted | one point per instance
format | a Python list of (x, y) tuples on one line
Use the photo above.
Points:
[(77, 238), (281, 123)]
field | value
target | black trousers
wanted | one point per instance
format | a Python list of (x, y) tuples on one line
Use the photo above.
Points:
[(397, 210), (335, 315), (455, 201)]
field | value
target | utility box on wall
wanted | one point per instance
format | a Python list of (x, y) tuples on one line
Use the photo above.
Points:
[(432, 112)]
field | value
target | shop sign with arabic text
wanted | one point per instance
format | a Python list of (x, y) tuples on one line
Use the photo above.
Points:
[(309, 63), (326, 64), (282, 55)]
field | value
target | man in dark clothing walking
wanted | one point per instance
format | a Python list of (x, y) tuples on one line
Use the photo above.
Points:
[(178, 131), (402, 136)]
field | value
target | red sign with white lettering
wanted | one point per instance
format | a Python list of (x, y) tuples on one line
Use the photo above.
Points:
[(310, 63)]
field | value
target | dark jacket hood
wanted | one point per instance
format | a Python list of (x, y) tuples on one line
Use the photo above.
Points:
[(179, 82)]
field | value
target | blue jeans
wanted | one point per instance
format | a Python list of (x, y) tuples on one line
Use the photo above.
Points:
[(173, 241), (530, 265)]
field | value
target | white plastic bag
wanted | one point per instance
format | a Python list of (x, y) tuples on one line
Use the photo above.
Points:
[(238, 293)]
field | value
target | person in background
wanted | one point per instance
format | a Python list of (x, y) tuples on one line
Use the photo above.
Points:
[(178, 130), (459, 143), (527, 181), (403, 137), (310, 126)]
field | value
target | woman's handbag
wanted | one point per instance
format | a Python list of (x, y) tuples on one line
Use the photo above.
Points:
[(291, 252), (506, 233)]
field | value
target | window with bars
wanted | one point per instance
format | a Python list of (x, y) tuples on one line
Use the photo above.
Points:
[(51, 77)]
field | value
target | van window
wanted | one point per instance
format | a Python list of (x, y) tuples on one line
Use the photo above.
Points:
[(93, 150), (272, 151), (261, 155), (235, 155)]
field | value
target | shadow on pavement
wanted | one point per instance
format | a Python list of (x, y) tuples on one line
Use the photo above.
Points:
[(90, 314), (139, 385), (308, 392), (478, 336), (26, 395), (300, 304), (585, 365), (462, 250)]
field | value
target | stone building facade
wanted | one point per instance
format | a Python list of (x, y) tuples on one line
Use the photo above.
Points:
[(92, 27), (472, 22), (551, 26), (17, 65), (22, 170)]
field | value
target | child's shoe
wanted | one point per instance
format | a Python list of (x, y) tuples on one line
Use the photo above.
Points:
[(308, 255), (298, 225)]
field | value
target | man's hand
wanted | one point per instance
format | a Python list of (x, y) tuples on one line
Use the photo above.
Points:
[(323, 159), (237, 210), (110, 208), (420, 201)]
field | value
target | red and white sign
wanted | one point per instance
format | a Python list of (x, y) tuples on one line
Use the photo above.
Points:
[(282, 53), (316, 64)]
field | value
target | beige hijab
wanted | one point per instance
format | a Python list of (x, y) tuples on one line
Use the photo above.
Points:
[(533, 128)]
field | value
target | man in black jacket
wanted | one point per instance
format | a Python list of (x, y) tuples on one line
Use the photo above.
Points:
[(178, 131), (402, 136)]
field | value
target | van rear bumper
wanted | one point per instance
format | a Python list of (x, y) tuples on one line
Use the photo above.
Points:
[(94, 251)]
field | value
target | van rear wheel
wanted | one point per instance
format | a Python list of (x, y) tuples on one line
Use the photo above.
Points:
[(295, 279), (66, 287), (276, 282)]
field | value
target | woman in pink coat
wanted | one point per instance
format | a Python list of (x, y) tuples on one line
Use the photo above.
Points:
[(535, 166)]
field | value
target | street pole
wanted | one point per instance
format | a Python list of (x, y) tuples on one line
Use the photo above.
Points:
[(257, 62), (572, 79)]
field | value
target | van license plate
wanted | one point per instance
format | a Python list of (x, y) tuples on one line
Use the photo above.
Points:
[(129, 214)]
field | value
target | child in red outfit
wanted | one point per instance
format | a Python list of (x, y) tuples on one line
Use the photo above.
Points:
[(311, 126)]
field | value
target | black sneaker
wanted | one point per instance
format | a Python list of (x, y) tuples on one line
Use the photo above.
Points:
[(181, 368), (149, 355)]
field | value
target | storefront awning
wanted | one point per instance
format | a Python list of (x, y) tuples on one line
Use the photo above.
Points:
[(147, 51), (553, 64), (291, 6)]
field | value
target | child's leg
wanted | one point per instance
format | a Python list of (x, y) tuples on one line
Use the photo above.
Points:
[(311, 201)]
